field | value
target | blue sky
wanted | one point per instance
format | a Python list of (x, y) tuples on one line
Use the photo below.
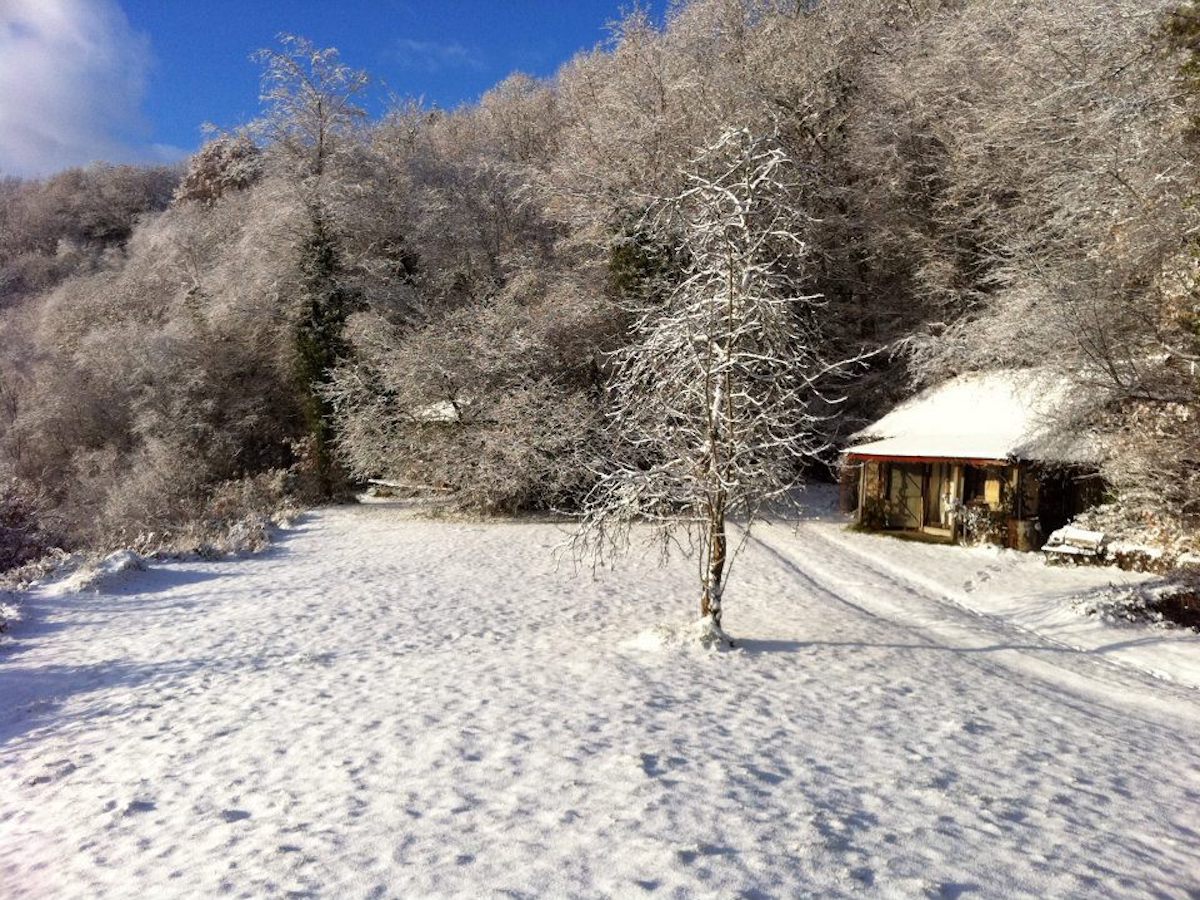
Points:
[(133, 80)]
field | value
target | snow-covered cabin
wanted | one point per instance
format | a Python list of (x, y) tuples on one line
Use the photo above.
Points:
[(982, 455)]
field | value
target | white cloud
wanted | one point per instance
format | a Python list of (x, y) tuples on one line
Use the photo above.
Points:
[(432, 56), (72, 79)]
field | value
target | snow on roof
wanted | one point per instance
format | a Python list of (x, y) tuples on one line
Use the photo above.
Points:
[(1009, 414)]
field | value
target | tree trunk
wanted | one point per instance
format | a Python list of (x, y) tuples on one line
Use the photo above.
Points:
[(714, 585)]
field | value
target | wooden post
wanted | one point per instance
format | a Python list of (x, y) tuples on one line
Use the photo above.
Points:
[(862, 489)]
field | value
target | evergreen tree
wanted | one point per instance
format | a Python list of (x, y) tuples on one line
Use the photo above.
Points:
[(326, 303)]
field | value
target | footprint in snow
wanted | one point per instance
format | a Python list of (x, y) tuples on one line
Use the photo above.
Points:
[(234, 815), (689, 855), (983, 576), (53, 772), (765, 776), (140, 806), (654, 767)]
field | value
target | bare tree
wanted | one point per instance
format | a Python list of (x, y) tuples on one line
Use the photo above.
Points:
[(311, 98), (714, 403)]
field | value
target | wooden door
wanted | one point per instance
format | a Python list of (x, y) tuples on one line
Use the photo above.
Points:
[(905, 494)]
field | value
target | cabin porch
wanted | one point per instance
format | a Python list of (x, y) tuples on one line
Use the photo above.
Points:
[(1015, 504)]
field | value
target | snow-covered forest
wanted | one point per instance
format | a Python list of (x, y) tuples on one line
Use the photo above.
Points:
[(437, 297)]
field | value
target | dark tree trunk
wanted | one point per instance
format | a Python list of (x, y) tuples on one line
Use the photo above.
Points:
[(710, 600)]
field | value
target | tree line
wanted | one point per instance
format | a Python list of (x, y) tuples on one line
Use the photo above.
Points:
[(445, 298)]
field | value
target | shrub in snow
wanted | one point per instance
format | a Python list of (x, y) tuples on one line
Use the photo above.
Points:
[(701, 633), (478, 402), (23, 538), (106, 572), (68, 573), (982, 525), (709, 634), (237, 517), (209, 520), (8, 610), (1174, 600)]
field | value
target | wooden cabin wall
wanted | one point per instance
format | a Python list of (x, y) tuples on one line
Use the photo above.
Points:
[(1010, 497)]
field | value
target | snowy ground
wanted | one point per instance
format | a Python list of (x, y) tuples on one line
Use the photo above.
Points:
[(382, 706)]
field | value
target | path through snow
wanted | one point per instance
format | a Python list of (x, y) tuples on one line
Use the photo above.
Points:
[(383, 706)]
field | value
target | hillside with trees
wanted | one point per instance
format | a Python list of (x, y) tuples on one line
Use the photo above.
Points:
[(443, 298)]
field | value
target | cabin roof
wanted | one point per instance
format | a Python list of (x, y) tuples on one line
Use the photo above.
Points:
[(1002, 416)]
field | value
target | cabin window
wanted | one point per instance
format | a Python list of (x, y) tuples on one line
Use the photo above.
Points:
[(974, 484), (991, 490), (983, 485)]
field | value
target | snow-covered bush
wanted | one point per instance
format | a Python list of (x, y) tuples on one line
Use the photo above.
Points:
[(96, 574), (980, 524), (1174, 600), (494, 401), (23, 537), (9, 611), (237, 516)]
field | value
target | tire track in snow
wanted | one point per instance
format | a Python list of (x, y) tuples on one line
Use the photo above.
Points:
[(1055, 678), (934, 591)]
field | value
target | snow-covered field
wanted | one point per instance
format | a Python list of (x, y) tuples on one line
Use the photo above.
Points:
[(384, 706)]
